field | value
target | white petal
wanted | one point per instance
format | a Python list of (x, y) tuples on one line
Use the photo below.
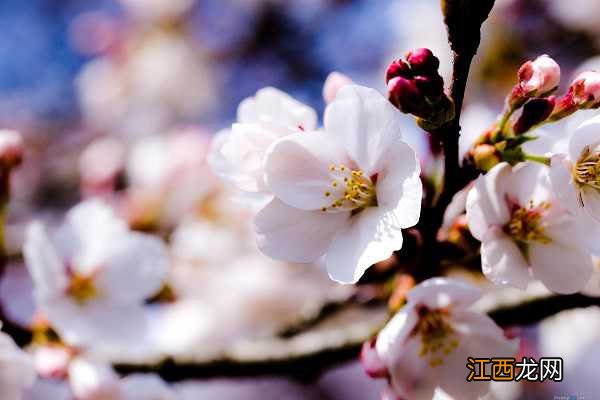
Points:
[(146, 387), (411, 375), (486, 204), (47, 269), (365, 123), (586, 135), (391, 338), (443, 292), (289, 234), (93, 380), (97, 323), (529, 182), (273, 106), (563, 185), (502, 261), (399, 186), (297, 169), (371, 236), (590, 198), (563, 269), (134, 269)]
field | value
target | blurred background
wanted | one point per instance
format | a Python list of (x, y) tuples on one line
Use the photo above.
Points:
[(94, 84)]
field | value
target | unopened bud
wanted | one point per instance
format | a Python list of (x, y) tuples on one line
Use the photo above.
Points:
[(534, 111), (539, 77), (405, 95), (334, 82), (586, 89), (11, 148), (430, 86), (397, 68), (422, 62), (372, 363), (486, 157)]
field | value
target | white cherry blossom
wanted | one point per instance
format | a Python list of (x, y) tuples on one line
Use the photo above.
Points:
[(576, 175), (92, 275), (525, 231), (237, 154), (425, 346), (345, 192), (16, 369)]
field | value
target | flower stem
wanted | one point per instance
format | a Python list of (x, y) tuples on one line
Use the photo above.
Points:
[(537, 158)]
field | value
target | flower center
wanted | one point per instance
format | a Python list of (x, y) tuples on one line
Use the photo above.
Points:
[(81, 288), (587, 170), (350, 190), (526, 226), (437, 336)]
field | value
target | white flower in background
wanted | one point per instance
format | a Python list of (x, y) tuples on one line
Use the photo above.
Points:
[(156, 10), (92, 380), (16, 369), (524, 230), (424, 348), (237, 154), (92, 275), (345, 192), (575, 175)]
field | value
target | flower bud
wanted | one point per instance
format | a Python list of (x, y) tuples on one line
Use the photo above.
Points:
[(334, 82), (486, 156), (372, 363), (397, 68), (422, 62), (405, 95), (539, 77), (534, 111), (586, 89), (11, 148)]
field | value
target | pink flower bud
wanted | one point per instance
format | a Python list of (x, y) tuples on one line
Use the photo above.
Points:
[(422, 61), (334, 82), (397, 68), (539, 76), (372, 363), (11, 148), (586, 88), (405, 95)]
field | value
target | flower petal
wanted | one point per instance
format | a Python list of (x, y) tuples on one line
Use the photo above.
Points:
[(134, 269), (486, 205), (563, 269), (586, 135), (297, 169), (502, 261), (365, 123), (391, 338), (46, 268), (590, 198), (371, 236), (399, 186), (563, 185), (443, 292), (529, 182), (289, 234)]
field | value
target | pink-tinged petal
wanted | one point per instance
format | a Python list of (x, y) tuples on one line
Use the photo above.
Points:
[(46, 268), (289, 234), (135, 268), (590, 198), (369, 237), (98, 323), (486, 203), (563, 185), (411, 375), (561, 268), (365, 123), (587, 135), (443, 292), (374, 365), (298, 172), (93, 380), (334, 82), (399, 186), (502, 261)]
